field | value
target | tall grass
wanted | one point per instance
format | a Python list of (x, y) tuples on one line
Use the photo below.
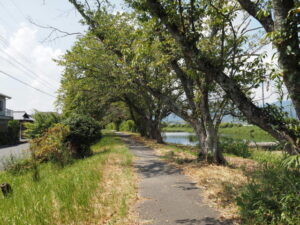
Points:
[(271, 197), (67, 196)]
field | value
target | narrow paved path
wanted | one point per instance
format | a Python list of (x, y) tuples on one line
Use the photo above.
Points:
[(20, 150), (169, 197)]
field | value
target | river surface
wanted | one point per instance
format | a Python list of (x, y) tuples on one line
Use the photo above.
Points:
[(184, 138)]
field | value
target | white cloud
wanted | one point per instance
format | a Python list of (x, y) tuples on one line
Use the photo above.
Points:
[(24, 47)]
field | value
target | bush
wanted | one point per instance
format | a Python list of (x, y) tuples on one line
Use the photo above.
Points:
[(229, 125), (3, 138), (42, 122), (52, 145), (13, 131), (235, 147), (128, 125), (84, 130), (271, 197), (110, 126), (12, 135)]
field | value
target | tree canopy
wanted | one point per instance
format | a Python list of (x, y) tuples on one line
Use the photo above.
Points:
[(197, 59)]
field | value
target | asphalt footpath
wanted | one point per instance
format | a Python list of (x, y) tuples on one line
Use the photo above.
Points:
[(167, 196)]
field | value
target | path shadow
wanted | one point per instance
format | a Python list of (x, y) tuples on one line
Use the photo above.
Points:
[(206, 221), (154, 168), (186, 186)]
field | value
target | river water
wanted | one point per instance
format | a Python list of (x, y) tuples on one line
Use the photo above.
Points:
[(184, 138)]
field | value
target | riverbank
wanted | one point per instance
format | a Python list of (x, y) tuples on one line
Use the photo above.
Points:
[(96, 190), (220, 185), (248, 133)]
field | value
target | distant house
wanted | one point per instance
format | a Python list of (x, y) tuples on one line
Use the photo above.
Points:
[(22, 117), (5, 114)]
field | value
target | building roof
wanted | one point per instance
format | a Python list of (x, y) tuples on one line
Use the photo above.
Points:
[(5, 96), (22, 115)]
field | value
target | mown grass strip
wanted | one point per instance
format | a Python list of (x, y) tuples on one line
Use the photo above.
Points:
[(85, 192)]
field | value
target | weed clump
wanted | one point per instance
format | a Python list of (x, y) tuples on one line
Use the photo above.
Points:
[(271, 197), (235, 147)]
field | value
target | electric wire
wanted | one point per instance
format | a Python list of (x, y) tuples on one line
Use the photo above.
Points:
[(25, 83), (28, 71)]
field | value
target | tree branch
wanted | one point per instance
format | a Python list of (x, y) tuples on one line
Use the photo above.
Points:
[(252, 8)]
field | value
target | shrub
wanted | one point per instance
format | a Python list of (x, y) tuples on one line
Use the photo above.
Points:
[(229, 125), (3, 138), (13, 131), (235, 147), (271, 197), (52, 145), (128, 125), (110, 126), (42, 122), (291, 161), (12, 135), (84, 130)]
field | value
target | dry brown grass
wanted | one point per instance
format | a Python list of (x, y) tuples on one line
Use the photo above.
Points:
[(219, 185), (117, 193)]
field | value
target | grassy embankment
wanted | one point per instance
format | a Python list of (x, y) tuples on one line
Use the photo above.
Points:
[(96, 190), (220, 185), (249, 133)]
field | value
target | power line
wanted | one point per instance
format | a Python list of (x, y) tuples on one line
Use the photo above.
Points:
[(6, 43), (37, 89), (18, 8), (32, 77), (25, 69)]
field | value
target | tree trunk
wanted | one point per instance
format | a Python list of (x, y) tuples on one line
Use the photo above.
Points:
[(284, 22), (117, 125), (210, 150), (155, 132), (142, 129), (212, 146), (288, 48)]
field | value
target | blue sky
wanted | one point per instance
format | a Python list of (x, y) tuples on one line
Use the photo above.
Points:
[(24, 55)]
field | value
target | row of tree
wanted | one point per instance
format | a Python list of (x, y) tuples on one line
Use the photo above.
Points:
[(197, 59)]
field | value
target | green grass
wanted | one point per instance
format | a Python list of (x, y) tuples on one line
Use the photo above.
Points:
[(263, 156), (244, 132), (65, 196), (177, 129), (237, 133)]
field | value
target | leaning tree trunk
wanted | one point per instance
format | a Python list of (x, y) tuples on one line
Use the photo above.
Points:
[(200, 62)]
